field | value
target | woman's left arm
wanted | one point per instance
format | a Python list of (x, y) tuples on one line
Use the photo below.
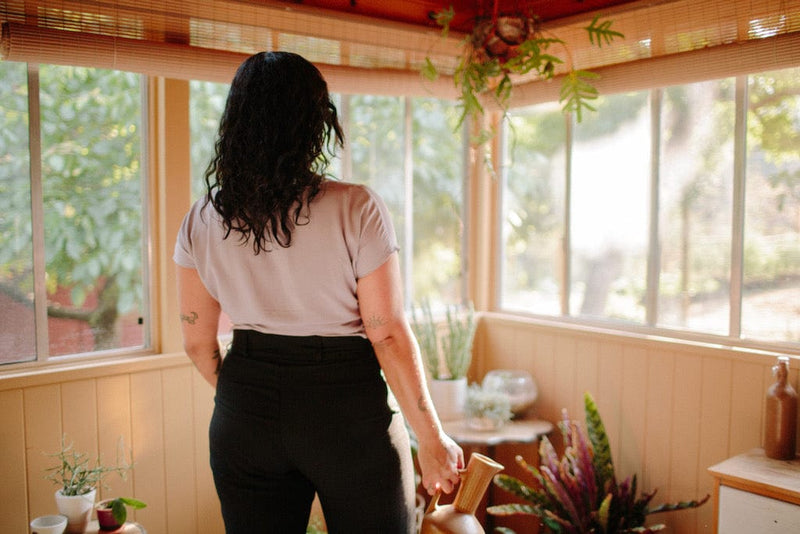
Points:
[(380, 300), (199, 323)]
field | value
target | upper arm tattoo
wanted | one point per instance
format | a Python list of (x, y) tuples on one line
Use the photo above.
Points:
[(189, 319)]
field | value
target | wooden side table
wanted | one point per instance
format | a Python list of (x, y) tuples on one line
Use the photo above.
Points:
[(516, 431), (523, 431), (753, 493)]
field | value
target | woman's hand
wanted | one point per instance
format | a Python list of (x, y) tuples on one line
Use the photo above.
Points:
[(440, 461)]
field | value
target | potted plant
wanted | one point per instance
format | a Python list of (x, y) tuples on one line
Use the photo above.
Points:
[(502, 46), (112, 513), (78, 479), (447, 353), (486, 409), (579, 493)]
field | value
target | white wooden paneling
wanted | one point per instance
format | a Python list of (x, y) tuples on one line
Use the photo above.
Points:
[(683, 464), (608, 396), (634, 413), (747, 393), (43, 432), (179, 451), (147, 422), (542, 367), (114, 432), (658, 399), (715, 422), (671, 409), (13, 490), (208, 508)]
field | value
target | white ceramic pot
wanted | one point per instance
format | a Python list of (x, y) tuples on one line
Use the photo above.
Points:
[(49, 524), (449, 398), (77, 508)]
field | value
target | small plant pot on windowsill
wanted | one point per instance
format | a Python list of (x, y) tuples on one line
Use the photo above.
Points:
[(112, 513), (77, 509), (449, 397)]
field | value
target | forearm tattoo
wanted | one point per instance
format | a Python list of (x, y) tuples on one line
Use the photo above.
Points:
[(189, 319), (376, 321), (421, 404), (218, 357)]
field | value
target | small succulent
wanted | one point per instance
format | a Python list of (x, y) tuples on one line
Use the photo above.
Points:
[(494, 405), (76, 475), (579, 493)]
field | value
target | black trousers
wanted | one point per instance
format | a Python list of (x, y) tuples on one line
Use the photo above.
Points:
[(295, 416)]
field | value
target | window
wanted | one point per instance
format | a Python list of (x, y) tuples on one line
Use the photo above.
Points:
[(420, 175), (662, 210), (207, 102), (72, 264), (403, 148)]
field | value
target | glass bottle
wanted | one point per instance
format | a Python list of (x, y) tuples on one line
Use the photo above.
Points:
[(780, 430)]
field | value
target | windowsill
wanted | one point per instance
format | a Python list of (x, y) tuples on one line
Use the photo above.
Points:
[(46, 374), (646, 336)]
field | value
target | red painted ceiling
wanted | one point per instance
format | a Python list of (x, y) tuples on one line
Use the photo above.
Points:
[(420, 12)]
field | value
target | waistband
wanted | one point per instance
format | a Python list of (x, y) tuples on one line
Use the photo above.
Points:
[(299, 346)]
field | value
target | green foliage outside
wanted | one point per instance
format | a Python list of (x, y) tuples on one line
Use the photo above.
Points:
[(92, 193), (695, 212)]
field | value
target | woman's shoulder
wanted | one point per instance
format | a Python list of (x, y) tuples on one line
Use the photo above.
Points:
[(351, 191)]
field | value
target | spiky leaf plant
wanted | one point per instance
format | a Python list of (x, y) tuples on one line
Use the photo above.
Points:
[(579, 493)]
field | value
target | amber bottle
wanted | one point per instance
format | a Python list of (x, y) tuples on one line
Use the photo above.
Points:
[(780, 430)]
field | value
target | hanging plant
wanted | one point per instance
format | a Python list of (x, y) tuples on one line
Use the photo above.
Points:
[(502, 46)]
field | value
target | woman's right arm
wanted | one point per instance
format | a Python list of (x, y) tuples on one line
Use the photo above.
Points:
[(199, 323)]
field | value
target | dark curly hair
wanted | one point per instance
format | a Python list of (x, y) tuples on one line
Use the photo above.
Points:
[(270, 159)]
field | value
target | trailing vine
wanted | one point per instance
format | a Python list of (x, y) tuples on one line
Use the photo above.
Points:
[(502, 46)]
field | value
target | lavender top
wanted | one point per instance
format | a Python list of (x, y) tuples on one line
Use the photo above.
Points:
[(306, 289)]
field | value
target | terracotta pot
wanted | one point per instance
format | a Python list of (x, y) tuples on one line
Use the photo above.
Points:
[(105, 517)]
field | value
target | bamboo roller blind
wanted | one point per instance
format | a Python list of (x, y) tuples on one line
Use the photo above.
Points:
[(207, 39)]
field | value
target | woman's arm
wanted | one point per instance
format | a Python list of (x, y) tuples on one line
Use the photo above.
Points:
[(199, 323), (380, 300)]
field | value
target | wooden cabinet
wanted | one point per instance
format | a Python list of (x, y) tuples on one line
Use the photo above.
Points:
[(754, 493)]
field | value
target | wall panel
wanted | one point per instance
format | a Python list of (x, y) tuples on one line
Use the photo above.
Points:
[(207, 506), (12, 445), (79, 415), (147, 420), (683, 453), (659, 402), (178, 438), (43, 432), (114, 431), (671, 409)]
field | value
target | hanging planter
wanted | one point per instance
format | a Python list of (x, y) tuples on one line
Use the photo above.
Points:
[(502, 46)]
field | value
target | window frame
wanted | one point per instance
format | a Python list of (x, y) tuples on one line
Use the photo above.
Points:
[(42, 354), (649, 327)]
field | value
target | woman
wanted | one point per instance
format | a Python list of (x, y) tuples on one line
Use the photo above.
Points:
[(307, 270)]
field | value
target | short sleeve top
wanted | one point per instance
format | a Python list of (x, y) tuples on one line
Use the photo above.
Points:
[(308, 288)]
